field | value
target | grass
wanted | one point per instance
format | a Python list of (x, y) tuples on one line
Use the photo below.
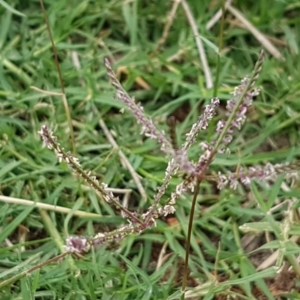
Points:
[(234, 232)]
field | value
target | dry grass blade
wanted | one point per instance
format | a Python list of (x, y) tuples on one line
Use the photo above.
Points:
[(46, 206), (215, 18), (168, 25), (193, 24), (112, 141), (258, 35), (124, 159)]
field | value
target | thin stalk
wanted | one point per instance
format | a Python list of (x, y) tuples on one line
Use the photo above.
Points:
[(65, 102), (188, 241)]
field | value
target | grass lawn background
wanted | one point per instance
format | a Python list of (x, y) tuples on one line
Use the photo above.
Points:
[(167, 81)]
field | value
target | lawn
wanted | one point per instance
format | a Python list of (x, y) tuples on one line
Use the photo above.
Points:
[(87, 210)]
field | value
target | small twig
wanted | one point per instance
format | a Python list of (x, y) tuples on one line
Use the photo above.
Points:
[(168, 25), (193, 24), (124, 159)]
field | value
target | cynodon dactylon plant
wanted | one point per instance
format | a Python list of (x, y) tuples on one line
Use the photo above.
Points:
[(178, 159)]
